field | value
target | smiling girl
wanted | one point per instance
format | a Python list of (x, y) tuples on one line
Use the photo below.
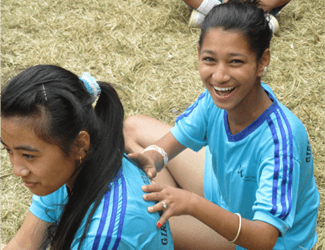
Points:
[(87, 192), (257, 188)]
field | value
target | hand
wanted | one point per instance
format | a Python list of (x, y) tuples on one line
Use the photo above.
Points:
[(268, 5), (178, 201), (147, 165)]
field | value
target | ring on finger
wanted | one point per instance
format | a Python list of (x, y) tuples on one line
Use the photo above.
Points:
[(164, 204)]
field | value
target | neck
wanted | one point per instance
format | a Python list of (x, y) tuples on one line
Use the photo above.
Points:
[(249, 110), (70, 182)]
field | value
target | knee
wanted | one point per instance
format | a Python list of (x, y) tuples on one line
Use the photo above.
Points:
[(131, 125), (132, 133)]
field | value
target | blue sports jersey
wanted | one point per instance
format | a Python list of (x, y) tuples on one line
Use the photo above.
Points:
[(120, 222), (264, 172)]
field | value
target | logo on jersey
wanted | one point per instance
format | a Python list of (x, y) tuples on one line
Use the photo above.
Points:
[(245, 177)]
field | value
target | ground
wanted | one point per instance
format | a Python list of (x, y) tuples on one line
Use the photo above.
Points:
[(146, 49)]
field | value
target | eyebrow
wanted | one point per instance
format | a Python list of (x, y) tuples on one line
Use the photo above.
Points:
[(23, 147), (231, 54)]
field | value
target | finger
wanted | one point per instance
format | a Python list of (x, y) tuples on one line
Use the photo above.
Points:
[(150, 172), (153, 187), (144, 164), (163, 219), (160, 206), (140, 158)]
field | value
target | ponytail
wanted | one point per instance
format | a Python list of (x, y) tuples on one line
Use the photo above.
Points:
[(63, 104)]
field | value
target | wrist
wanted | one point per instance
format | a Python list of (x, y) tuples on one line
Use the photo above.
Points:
[(158, 155), (192, 201)]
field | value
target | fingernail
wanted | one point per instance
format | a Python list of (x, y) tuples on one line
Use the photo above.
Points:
[(158, 225), (143, 188), (145, 197)]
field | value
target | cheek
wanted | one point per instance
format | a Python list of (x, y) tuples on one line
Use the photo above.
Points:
[(246, 75), (204, 72)]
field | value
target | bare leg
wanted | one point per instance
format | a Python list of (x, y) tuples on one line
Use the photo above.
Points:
[(190, 233), (193, 3), (185, 170)]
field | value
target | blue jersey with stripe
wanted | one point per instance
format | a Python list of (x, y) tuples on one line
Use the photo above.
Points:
[(120, 222), (264, 172)]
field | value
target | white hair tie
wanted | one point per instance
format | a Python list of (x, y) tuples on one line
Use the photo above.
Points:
[(90, 84)]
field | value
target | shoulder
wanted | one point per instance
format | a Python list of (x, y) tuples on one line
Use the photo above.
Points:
[(287, 132), (203, 102), (48, 207)]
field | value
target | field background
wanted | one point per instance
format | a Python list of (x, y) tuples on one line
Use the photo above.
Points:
[(146, 49)]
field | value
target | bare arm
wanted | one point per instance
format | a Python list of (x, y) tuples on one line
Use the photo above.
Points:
[(30, 236), (253, 234), (267, 5), (152, 160)]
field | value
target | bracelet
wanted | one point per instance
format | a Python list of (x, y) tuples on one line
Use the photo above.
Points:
[(239, 228), (160, 151)]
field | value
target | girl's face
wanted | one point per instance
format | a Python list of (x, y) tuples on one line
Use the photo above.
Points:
[(229, 69), (43, 167)]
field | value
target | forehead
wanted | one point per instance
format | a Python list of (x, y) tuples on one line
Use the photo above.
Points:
[(18, 128), (221, 39)]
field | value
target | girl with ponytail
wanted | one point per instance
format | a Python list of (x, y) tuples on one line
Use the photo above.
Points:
[(250, 183), (87, 192)]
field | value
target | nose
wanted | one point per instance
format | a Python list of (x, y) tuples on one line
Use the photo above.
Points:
[(221, 74), (18, 167)]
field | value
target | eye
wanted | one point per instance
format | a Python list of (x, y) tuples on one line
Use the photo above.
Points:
[(208, 59), (236, 61), (28, 157)]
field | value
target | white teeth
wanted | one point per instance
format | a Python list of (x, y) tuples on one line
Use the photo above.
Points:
[(223, 89)]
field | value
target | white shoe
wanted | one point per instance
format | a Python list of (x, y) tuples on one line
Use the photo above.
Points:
[(196, 19), (274, 25)]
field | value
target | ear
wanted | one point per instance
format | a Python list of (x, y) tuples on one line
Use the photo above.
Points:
[(263, 62), (81, 145)]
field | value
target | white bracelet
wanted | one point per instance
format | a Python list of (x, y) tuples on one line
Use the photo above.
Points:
[(160, 151), (239, 228)]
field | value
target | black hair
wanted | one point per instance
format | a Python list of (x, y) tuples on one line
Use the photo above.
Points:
[(62, 107), (244, 16)]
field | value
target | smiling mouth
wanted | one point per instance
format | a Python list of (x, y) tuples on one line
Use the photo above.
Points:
[(223, 91)]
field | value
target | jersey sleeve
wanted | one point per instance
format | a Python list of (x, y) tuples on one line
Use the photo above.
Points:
[(191, 127), (280, 170), (277, 194), (48, 208)]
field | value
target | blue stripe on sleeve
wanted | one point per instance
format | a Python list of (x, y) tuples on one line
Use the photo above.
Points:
[(285, 166), (114, 213), (276, 167), (190, 109), (102, 220), (124, 202), (291, 163)]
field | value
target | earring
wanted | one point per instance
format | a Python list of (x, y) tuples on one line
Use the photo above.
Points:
[(80, 160), (265, 69)]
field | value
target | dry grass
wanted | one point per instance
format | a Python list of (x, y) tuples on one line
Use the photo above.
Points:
[(147, 50)]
